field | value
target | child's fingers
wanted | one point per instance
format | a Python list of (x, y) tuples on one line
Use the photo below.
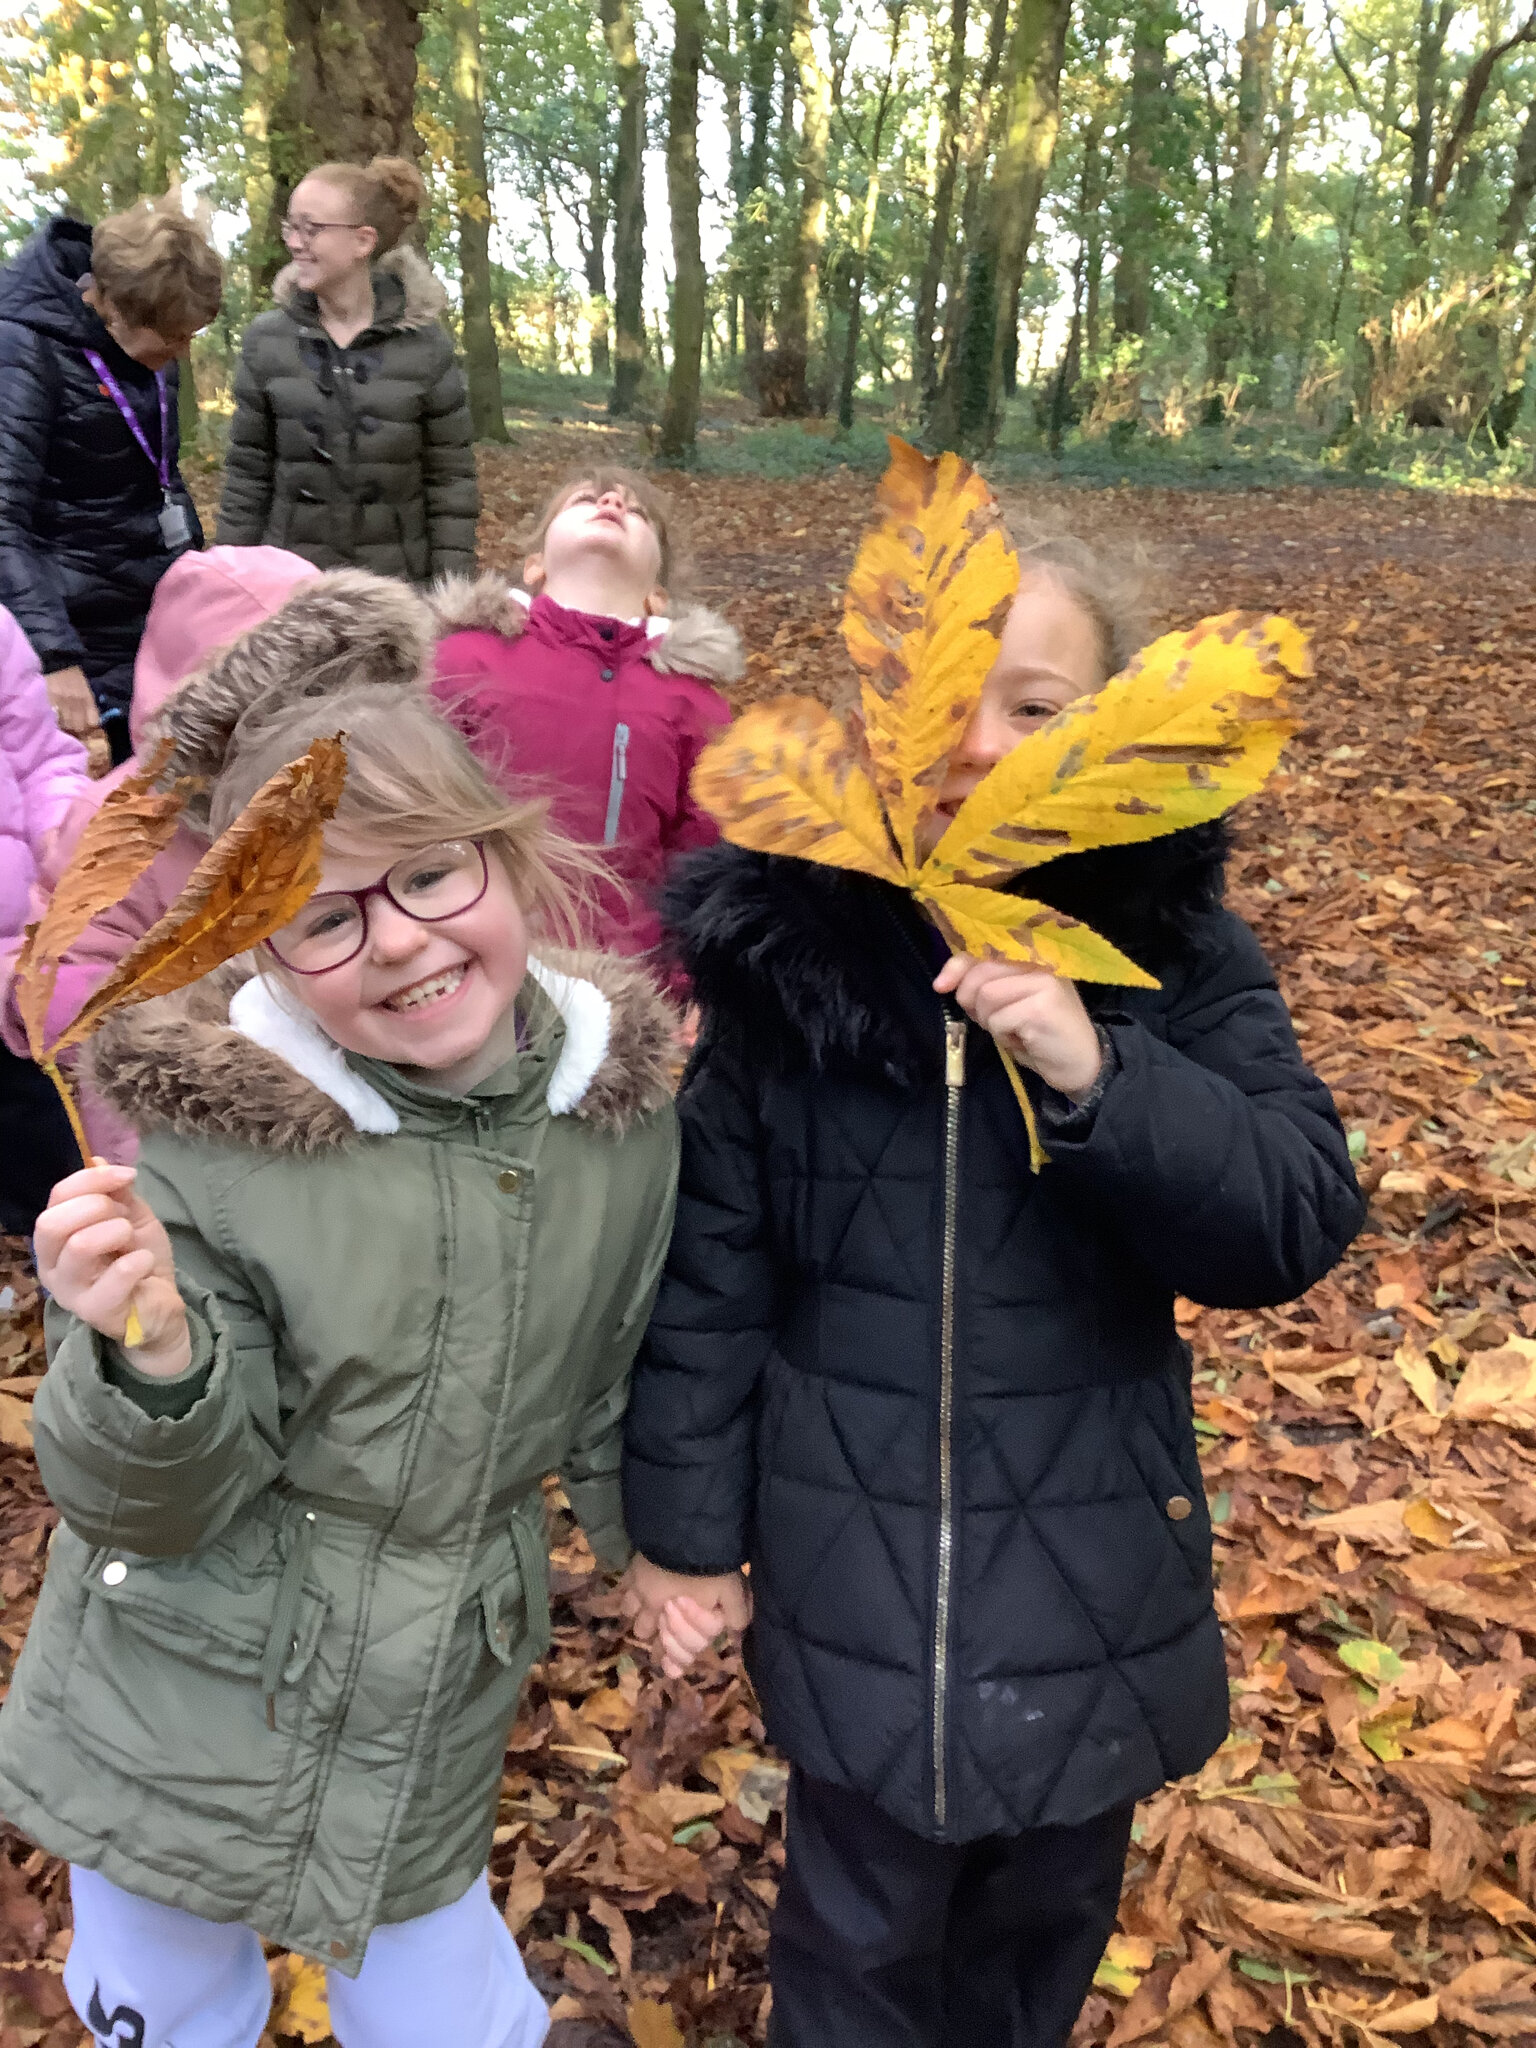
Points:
[(692, 1627), (107, 1297), (949, 975), (98, 1243), (57, 1225), (100, 1179)]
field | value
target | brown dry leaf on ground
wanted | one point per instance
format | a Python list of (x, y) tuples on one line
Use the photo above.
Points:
[(1358, 1866)]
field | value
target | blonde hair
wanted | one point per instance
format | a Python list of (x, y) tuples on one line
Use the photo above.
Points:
[(412, 781), (1114, 590), (388, 193), (655, 504), (157, 267)]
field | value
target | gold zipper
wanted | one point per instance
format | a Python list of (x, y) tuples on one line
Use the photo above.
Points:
[(954, 1081)]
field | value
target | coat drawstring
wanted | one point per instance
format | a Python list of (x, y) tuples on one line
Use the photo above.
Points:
[(282, 1636)]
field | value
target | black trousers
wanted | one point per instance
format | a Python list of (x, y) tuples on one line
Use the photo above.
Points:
[(36, 1145), (884, 1940)]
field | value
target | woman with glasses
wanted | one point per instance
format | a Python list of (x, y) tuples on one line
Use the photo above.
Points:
[(352, 441)]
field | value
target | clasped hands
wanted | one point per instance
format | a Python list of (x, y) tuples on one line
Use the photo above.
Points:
[(682, 1615)]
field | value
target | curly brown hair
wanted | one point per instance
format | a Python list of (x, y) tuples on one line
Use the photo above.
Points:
[(158, 267)]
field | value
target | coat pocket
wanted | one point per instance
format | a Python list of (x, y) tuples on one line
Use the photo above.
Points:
[(498, 1635), (165, 1687)]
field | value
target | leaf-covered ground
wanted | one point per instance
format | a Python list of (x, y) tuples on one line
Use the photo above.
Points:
[(1358, 1865)]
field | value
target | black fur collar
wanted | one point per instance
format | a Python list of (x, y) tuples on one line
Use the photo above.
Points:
[(817, 967)]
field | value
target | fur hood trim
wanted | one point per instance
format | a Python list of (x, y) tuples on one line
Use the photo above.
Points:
[(822, 967), (694, 643), (336, 630), (424, 299), (231, 1059)]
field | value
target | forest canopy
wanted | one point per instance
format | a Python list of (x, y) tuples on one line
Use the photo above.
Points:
[(1087, 220)]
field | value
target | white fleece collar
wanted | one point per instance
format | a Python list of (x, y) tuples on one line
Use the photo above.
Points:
[(654, 625), (263, 1012)]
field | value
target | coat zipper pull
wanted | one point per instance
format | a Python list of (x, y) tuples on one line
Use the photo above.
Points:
[(954, 1052), (618, 776)]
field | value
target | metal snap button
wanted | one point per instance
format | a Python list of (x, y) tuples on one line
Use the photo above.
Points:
[(1179, 1508), (605, 675), (509, 1180), (341, 1950), (114, 1573)]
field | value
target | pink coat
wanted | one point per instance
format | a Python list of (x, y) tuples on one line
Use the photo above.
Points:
[(204, 600), (42, 772), (608, 718)]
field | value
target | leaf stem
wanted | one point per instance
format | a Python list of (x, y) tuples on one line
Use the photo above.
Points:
[(1038, 1156)]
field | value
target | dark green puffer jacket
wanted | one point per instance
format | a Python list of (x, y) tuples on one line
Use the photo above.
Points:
[(360, 456)]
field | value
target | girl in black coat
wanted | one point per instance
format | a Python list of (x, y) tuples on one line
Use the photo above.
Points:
[(93, 509), (939, 1402)]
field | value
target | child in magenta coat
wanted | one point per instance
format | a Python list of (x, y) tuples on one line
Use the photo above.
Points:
[(581, 683), (42, 772)]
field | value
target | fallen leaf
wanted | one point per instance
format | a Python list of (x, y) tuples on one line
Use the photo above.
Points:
[(652, 2025)]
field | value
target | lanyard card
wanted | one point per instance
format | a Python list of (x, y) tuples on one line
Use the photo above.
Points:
[(175, 526)]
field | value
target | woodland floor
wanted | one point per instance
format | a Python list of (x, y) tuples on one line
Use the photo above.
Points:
[(1358, 1864)]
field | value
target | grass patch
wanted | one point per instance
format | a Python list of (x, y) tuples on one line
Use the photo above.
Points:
[(783, 451)]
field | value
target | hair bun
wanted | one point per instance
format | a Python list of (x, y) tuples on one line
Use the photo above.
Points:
[(401, 183)]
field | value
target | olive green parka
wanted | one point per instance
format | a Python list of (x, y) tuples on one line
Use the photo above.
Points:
[(295, 1592), (360, 456)]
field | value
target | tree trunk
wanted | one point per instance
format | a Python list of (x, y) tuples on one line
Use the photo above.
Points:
[(343, 84), (762, 48), (472, 203), (594, 263), (1141, 201), (994, 274), (797, 312), (1233, 334), (1429, 55), (263, 48), (628, 209), (1522, 186), (866, 235), (162, 157), (680, 418), (1473, 92), (939, 424), (925, 360)]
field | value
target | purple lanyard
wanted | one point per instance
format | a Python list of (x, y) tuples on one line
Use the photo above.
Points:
[(114, 391)]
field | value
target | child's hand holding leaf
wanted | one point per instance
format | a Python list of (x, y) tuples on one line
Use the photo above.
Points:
[(101, 1253), (1036, 1016)]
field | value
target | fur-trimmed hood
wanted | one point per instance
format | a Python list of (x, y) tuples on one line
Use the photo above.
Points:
[(693, 643), (336, 630), (228, 1059), (822, 967), (406, 291)]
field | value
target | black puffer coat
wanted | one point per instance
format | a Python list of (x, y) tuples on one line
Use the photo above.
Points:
[(80, 543), (360, 456), (1022, 1634)]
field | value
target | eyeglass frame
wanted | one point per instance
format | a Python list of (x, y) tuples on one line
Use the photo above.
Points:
[(298, 235), (381, 888)]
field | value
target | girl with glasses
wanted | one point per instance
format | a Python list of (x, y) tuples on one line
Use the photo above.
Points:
[(351, 440), (404, 1192)]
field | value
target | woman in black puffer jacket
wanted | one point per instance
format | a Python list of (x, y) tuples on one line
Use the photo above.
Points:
[(352, 441), (939, 1402), (93, 510)]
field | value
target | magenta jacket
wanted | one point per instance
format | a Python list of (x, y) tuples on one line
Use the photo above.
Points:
[(42, 771), (606, 716)]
